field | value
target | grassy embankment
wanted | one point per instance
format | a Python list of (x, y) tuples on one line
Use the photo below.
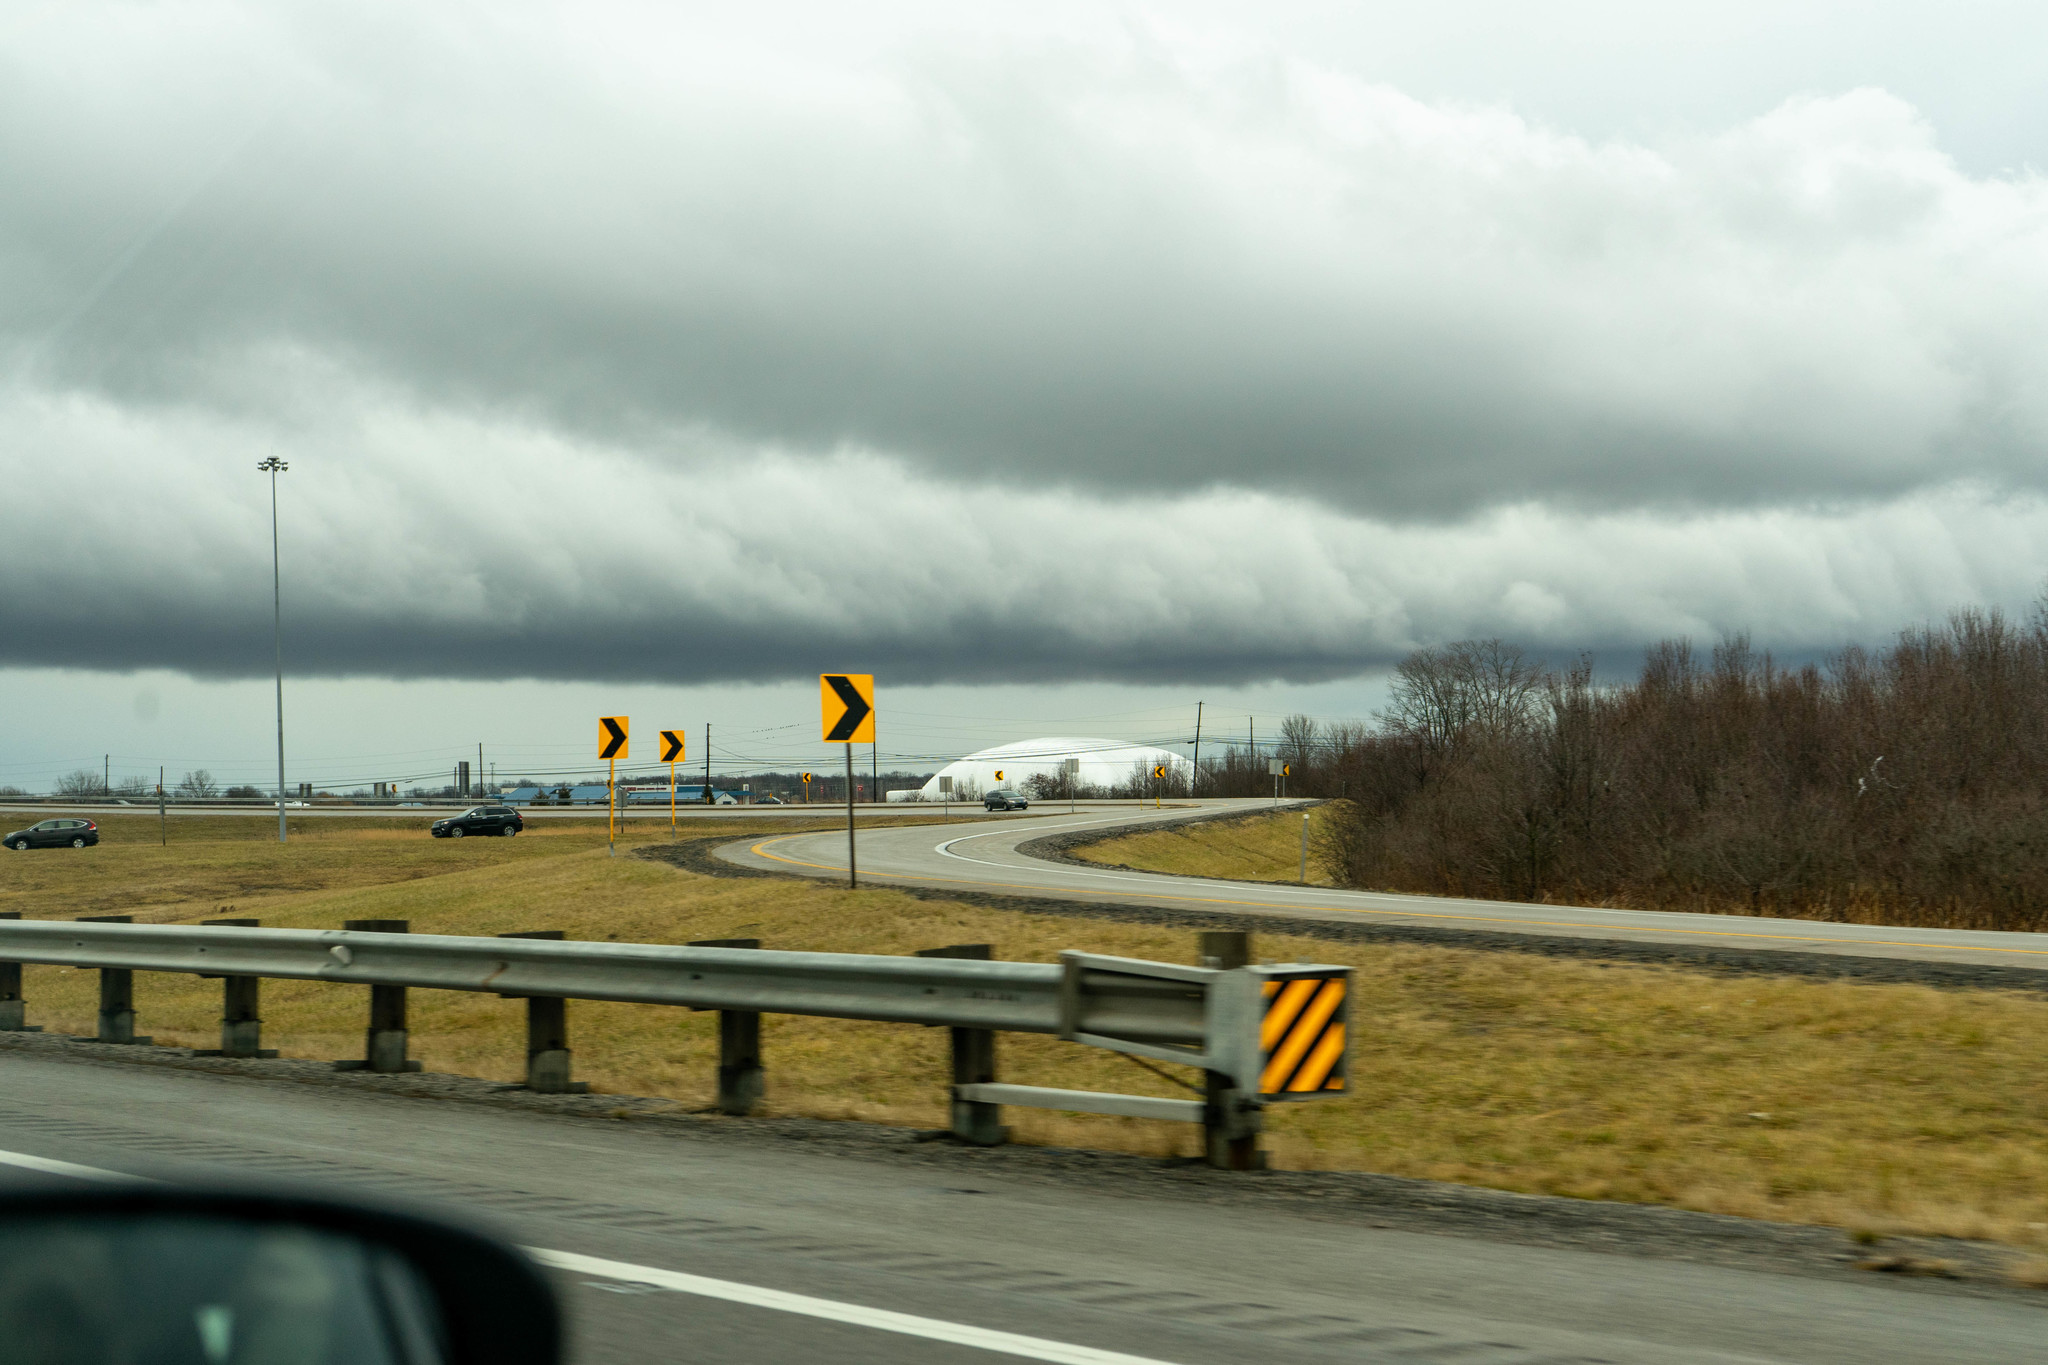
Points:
[(1881, 1108), (1256, 848)]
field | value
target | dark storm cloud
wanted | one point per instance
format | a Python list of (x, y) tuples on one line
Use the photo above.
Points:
[(604, 352), (419, 544)]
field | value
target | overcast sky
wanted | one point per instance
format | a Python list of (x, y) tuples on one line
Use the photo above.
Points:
[(1122, 356)]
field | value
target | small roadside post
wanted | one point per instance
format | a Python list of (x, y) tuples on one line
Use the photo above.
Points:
[(241, 1015), (945, 794), (13, 1008), (846, 715), (1304, 848), (1273, 766), (384, 1041), (807, 789), (672, 754), (163, 829), (117, 993), (974, 1063), (1158, 781), (611, 747), (1070, 769), (547, 1034), (741, 1078)]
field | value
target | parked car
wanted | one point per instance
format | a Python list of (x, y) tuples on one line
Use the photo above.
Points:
[(1003, 799), (769, 801), (500, 820), (54, 834)]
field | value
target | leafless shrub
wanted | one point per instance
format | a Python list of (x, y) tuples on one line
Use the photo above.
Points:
[(1906, 785)]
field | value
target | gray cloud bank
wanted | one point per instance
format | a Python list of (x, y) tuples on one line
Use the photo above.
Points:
[(420, 543), (606, 353), (1124, 269)]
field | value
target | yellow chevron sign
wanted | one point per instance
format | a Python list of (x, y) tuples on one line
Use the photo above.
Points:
[(1302, 1040)]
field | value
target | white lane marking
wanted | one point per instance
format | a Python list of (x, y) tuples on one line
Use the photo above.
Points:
[(858, 1315), (49, 1166), (881, 1319)]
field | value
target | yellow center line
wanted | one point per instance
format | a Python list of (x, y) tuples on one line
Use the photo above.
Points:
[(761, 850)]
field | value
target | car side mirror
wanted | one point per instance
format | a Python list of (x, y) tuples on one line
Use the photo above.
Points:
[(182, 1276)]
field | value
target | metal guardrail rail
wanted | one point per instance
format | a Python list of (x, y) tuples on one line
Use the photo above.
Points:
[(1209, 1017)]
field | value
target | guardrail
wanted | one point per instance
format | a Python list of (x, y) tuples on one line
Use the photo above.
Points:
[(1258, 1033)]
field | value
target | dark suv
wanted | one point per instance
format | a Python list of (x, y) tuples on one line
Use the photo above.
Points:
[(501, 820), (1002, 799), (54, 834)]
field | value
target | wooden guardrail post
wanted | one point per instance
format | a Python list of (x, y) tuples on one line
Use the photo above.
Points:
[(241, 1018), (117, 993), (547, 1035), (1230, 1119), (384, 1041), (974, 1063), (13, 1007), (741, 1078)]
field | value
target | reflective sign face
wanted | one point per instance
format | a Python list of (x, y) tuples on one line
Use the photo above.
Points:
[(999, 774), (671, 746), (1286, 770), (1303, 1036), (611, 736), (1159, 770), (807, 779), (846, 707)]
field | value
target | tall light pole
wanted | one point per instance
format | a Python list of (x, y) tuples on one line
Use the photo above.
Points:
[(274, 467)]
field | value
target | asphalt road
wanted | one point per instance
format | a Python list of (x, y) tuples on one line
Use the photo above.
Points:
[(976, 857), (14, 815), (711, 1242)]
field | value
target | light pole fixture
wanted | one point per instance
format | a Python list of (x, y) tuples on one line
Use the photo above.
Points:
[(274, 467)]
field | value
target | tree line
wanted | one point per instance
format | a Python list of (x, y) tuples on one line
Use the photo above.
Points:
[(1901, 785)]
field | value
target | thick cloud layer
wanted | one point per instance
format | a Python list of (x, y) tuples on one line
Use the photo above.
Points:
[(416, 543), (1127, 268), (605, 351)]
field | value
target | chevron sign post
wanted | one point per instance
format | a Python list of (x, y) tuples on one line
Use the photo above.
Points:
[(611, 747), (846, 715)]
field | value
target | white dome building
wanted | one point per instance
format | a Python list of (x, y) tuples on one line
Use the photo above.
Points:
[(1105, 763)]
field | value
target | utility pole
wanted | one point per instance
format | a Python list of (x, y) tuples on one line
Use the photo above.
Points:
[(1195, 777), (707, 762), (106, 775), (480, 768), (163, 829), (274, 467)]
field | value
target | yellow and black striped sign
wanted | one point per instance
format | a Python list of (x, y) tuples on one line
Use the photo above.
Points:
[(1302, 1038)]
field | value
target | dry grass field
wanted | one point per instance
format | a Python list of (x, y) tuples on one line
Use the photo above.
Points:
[(1876, 1108), (1254, 848)]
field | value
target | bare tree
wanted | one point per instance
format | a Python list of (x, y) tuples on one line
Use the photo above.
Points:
[(198, 785), (83, 782)]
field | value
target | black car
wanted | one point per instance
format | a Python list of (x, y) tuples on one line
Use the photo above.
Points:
[(1002, 799), (54, 834), (499, 820)]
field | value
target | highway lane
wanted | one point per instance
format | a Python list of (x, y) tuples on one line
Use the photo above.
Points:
[(1069, 1269), (976, 857), (28, 813)]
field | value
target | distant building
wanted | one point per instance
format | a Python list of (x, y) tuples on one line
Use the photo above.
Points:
[(1105, 763)]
